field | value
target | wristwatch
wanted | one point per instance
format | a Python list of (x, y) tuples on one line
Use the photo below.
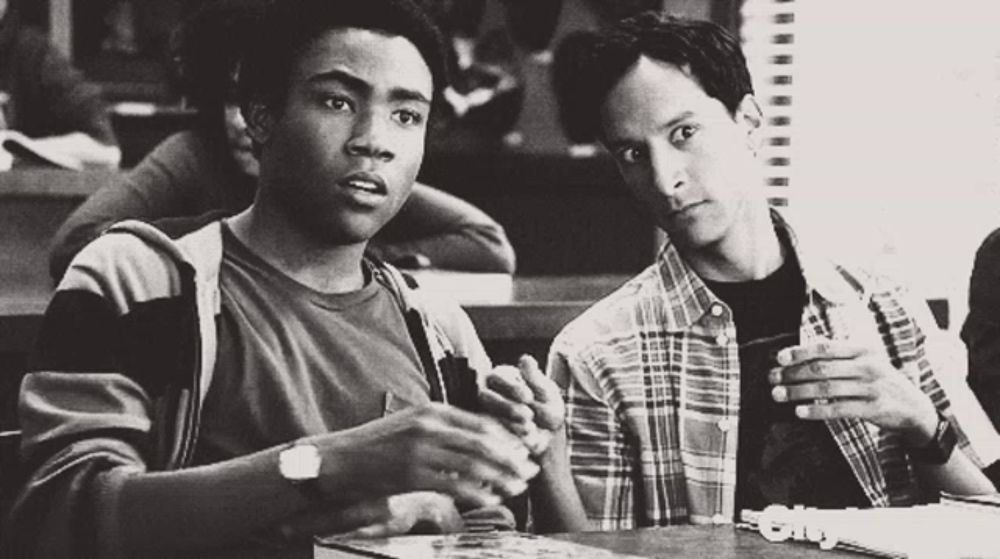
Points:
[(299, 463), (938, 449)]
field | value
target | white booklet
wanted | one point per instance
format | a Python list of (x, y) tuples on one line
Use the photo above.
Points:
[(20, 146), (957, 527)]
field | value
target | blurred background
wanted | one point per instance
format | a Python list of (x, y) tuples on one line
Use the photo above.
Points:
[(882, 121)]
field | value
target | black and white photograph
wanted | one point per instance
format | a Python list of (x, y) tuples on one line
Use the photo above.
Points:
[(418, 279)]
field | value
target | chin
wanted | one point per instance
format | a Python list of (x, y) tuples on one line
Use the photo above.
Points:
[(342, 234), (695, 238)]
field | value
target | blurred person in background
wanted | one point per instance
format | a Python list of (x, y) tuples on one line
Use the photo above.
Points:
[(45, 98), (981, 329)]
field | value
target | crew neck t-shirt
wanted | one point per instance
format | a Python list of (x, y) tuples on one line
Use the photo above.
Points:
[(294, 362), (781, 459)]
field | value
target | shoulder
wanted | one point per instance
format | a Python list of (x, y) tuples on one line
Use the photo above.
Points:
[(136, 262), (991, 244), (613, 319), (122, 268)]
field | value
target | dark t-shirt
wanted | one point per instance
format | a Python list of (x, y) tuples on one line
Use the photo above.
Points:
[(781, 459), (294, 362)]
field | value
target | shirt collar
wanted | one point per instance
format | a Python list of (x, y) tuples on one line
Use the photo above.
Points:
[(688, 300)]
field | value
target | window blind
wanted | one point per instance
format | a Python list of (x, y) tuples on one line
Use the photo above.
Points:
[(768, 36)]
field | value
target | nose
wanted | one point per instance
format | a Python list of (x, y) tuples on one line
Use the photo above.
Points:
[(368, 138), (668, 168)]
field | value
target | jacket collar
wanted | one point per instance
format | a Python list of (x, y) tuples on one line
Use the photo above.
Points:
[(687, 300)]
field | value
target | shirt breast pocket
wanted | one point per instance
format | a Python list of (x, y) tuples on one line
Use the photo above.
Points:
[(393, 403)]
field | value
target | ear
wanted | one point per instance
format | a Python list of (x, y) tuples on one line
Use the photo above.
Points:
[(749, 115), (260, 122)]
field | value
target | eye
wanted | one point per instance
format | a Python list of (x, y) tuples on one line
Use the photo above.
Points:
[(408, 117), (683, 133), (336, 102), (630, 154)]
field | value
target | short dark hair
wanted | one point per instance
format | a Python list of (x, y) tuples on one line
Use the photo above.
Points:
[(286, 26), (206, 50), (596, 62)]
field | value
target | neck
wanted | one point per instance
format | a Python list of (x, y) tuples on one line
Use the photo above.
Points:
[(751, 251), (323, 267)]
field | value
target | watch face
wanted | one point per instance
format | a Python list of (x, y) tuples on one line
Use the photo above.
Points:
[(300, 462)]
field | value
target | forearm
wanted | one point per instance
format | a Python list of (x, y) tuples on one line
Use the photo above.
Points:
[(959, 476), (203, 507), (556, 504)]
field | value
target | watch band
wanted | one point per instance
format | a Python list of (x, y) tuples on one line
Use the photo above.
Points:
[(938, 449)]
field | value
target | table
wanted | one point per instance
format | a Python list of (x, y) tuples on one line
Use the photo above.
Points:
[(674, 542), (697, 542)]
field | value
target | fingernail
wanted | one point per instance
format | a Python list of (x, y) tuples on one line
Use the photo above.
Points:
[(774, 376), (779, 393), (515, 488), (532, 470), (489, 499), (784, 357), (802, 411)]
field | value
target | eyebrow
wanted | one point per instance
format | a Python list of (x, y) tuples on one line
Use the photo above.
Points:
[(359, 85), (618, 143)]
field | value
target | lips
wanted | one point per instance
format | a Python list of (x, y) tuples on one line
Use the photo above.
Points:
[(364, 188), (366, 182), (685, 209)]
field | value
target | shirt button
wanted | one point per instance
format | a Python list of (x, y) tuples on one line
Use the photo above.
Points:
[(722, 339), (717, 310), (719, 519), (725, 424)]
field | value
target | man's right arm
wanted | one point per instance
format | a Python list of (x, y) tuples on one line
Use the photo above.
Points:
[(431, 448), (95, 418), (586, 473)]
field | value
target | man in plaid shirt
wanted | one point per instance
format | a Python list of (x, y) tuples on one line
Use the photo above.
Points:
[(742, 368)]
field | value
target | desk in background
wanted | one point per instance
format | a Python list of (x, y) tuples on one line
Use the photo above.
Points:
[(33, 204), (532, 310)]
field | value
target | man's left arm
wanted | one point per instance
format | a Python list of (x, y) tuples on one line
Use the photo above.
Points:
[(850, 379)]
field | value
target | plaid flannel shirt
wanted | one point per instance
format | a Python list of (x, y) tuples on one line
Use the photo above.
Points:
[(651, 380)]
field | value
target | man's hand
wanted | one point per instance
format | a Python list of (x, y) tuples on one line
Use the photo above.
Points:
[(527, 402), (425, 512), (429, 448), (840, 379)]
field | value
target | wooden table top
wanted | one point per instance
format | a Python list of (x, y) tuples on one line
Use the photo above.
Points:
[(698, 542), (674, 542)]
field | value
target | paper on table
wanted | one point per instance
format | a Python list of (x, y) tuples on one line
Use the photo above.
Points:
[(939, 531), (471, 545), (19, 145)]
